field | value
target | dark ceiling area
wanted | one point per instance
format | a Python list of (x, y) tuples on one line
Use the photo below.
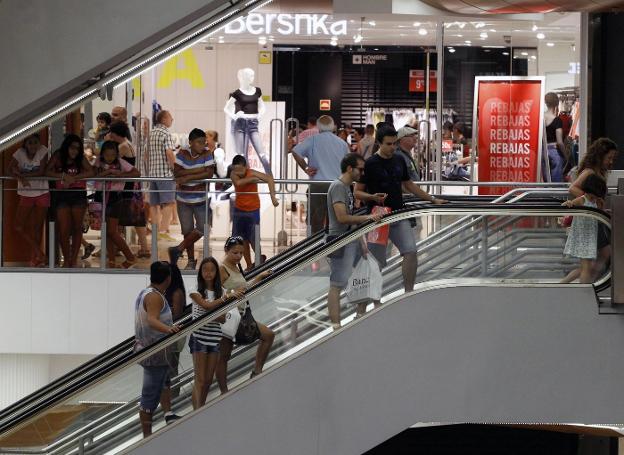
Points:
[(526, 6)]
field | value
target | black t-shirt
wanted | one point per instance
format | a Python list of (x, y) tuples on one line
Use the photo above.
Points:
[(551, 130), (383, 175), (246, 103)]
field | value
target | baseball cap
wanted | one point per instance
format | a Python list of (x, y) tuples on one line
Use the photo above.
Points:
[(406, 131)]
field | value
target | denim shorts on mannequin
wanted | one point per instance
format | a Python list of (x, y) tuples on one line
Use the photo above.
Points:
[(245, 125)]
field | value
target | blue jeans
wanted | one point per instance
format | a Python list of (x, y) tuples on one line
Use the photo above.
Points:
[(342, 268), (244, 224), (245, 130), (402, 236), (155, 379), (192, 216)]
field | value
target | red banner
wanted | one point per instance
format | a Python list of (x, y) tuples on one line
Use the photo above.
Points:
[(509, 127), (417, 81)]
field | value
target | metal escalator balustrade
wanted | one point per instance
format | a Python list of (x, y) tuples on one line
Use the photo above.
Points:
[(292, 303)]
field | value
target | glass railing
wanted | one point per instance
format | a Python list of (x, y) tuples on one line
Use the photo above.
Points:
[(97, 411)]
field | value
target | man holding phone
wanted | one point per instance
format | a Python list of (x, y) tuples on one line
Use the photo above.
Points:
[(385, 172)]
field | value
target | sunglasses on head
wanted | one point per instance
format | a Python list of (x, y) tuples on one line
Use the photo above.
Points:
[(234, 240)]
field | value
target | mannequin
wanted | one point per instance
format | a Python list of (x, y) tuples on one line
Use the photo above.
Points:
[(245, 107)]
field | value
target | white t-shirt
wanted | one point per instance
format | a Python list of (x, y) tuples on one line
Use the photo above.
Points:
[(26, 165)]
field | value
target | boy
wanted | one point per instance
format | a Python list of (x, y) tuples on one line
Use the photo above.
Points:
[(192, 165), (247, 207)]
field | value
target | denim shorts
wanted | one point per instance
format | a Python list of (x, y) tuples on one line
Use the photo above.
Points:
[(162, 192), (402, 236), (245, 125), (341, 268), (244, 224), (155, 379), (196, 346), (192, 216)]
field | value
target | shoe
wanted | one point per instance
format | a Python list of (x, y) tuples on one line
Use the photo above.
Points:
[(174, 254), (166, 237), (191, 264), (128, 264), (88, 250), (170, 418), (144, 254)]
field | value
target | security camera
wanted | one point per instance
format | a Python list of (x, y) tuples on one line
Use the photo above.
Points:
[(507, 39)]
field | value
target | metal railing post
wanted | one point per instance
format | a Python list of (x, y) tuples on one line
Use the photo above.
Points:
[(484, 248), (103, 256), (257, 244), (51, 244), (207, 224)]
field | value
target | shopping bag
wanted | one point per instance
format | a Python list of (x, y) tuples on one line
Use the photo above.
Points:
[(132, 211), (230, 326), (379, 235), (365, 282)]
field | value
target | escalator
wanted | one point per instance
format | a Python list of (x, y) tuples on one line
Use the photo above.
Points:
[(97, 404)]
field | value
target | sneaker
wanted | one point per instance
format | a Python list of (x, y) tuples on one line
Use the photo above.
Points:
[(191, 264), (170, 418), (174, 254), (88, 250), (166, 237)]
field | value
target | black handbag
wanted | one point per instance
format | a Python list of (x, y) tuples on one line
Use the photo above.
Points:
[(248, 330)]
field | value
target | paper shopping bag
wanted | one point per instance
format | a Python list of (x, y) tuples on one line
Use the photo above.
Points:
[(379, 235)]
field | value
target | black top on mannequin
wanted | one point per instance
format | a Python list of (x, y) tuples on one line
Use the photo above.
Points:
[(248, 104)]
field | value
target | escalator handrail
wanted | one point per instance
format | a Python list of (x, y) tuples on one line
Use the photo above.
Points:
[(19, 417)]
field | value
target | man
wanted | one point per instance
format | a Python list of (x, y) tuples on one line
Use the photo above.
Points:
[(407, 140), (365, 146), (385, 172), (161, 163), (311, 130), (194, 164), (323, 152), (247, 205), (340, 205), (119, 114), (153, 321)]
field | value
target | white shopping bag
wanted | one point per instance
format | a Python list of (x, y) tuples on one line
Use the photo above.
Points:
[(365, 282), (230, 326)]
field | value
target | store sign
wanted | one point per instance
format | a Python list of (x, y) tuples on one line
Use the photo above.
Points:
[(417, 81), (373, 59), (286, 24), (325, 105), (509, 130)]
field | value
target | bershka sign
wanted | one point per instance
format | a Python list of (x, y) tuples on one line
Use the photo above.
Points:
[(509, 129), (286, 24)]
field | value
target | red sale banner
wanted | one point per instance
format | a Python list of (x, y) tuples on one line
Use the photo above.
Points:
[(417, 81), (509, 130)]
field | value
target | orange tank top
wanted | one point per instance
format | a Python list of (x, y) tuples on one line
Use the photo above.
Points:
[(247, 198)]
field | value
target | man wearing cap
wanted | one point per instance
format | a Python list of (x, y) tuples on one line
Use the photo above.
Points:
[(407, 140)]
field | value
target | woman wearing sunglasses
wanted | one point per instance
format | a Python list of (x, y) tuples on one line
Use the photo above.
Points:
[(233, 280)]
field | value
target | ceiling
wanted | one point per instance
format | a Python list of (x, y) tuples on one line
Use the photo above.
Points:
[(524, 6)]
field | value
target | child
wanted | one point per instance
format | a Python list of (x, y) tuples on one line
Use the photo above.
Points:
[(104, 120), (247, 207), (204, 342), (582, 239)]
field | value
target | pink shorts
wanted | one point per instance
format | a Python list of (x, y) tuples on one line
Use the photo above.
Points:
[(36, 201)]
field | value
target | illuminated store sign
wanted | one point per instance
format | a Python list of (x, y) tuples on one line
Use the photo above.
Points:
[(287, 24)]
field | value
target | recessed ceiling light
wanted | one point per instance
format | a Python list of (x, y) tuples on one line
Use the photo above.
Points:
[(416, 24), (352, 21), (493, 30), (524, 54), (534, 28), (333, 43), (483, 35), (373, 23), (540, 36), (459, 36), (468, 42), (487, 50), (461, 24), (533, 57), (479, 25), (422, 32), (358, 38), (550, 44), (451, 50), (376, 49), (505, 53)]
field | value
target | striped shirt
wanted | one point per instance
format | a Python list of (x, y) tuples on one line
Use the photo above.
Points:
[(191, 193), (209, 334), (160, 140)]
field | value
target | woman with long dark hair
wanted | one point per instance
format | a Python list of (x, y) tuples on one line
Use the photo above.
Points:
[(69, 165)]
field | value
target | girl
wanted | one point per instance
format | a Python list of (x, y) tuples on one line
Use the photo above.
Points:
[(119, 132), (233, 280), (34, 198), (109, 164), (70, 166), (582, 239), (204, 342)]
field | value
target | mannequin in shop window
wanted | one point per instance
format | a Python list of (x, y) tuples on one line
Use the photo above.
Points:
[(245, 107)]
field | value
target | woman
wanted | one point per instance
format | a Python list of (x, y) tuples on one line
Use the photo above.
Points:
[(233, 280), (70, 166), (109, 164), (598, 161), (119, 132), (34, 197), (204, 342), (554, 138)]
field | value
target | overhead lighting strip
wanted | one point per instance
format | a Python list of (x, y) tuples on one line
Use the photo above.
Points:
[(136, 70)]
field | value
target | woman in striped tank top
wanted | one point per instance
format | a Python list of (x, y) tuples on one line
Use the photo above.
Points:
[(204, 342)]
